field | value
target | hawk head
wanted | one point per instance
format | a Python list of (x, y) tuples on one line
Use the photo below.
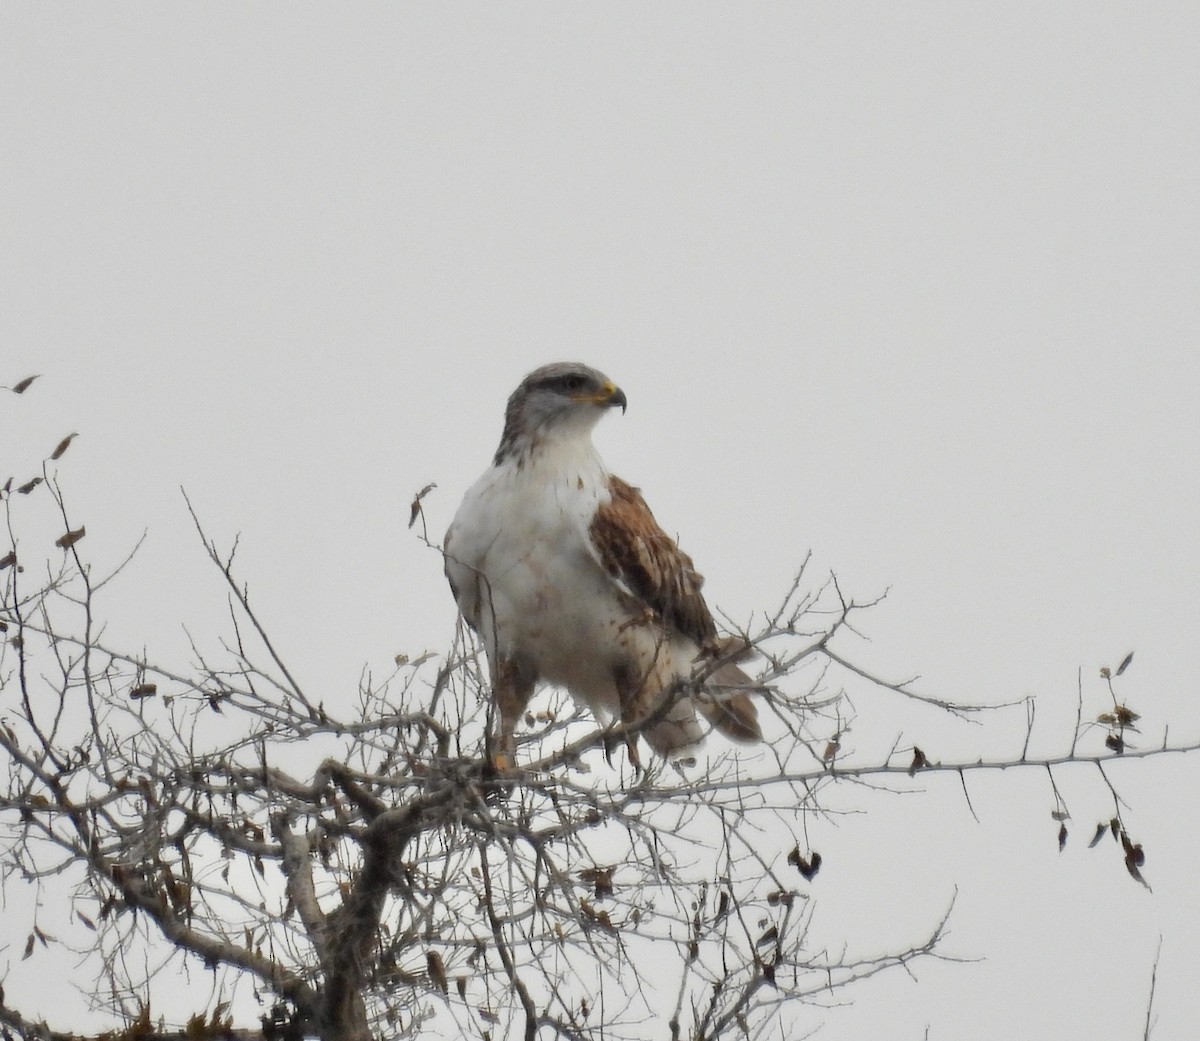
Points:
[(562, 399)]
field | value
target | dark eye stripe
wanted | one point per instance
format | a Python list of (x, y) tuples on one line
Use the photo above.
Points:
[(571, 381)]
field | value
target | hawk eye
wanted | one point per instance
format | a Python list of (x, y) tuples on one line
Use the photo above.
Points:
[(575, 382)]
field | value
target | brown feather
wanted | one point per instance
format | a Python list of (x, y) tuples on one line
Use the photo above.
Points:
[(635, 550)]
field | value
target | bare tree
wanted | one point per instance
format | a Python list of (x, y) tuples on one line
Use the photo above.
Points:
[(364, 874)]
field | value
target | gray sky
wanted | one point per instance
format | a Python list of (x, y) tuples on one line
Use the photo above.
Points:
[(915, 287)]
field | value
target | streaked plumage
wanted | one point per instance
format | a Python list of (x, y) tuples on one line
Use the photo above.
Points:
[(565, 574)]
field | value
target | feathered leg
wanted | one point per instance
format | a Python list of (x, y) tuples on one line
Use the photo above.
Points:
[(512, 687), (629, 684)]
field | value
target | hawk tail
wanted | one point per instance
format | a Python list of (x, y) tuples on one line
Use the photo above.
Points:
[(728, 707)]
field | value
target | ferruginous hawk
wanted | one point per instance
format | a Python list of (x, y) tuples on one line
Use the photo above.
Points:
[(562, 570)]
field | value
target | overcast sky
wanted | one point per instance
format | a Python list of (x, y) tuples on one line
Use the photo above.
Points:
[(914, 287)]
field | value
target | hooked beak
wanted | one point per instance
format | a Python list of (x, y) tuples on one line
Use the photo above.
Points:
[(608, 396)]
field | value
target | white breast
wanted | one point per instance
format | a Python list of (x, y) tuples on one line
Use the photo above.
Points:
[(519, 554)]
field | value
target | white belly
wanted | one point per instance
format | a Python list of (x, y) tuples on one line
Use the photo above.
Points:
[(520, 555)]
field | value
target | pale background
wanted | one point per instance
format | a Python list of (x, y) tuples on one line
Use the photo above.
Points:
[(914, 286)]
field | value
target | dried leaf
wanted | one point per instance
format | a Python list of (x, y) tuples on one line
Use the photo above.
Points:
[(919, 761), (600, 918), (1116, 742), (461, 983), (722, 905), (831, 750), (1059, 815), (29, 485), (1062, 837), (600, 879), (1105, 672), (437, 971), (768, 938), (28, 947), (8, 560), (63, 445), (1132, 849), (767, 969), (23, 385), (70, 538), (1134, 858), (814, 865), (1125, 663), (416, 503), (143, 690), (808, 868), (1126, 716)]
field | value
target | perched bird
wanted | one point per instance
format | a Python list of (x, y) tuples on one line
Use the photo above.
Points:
[(562, 570)]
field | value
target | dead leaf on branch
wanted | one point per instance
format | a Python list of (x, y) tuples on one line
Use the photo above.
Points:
[(437, 971), (919, 761), (22, 385), (70, 538), (600, 879), (1125, 663), (416, 503), (1135, 857), (722, 906), (600, 918), (1125, 716), (768, 938), (63, 445), (807, 867)]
